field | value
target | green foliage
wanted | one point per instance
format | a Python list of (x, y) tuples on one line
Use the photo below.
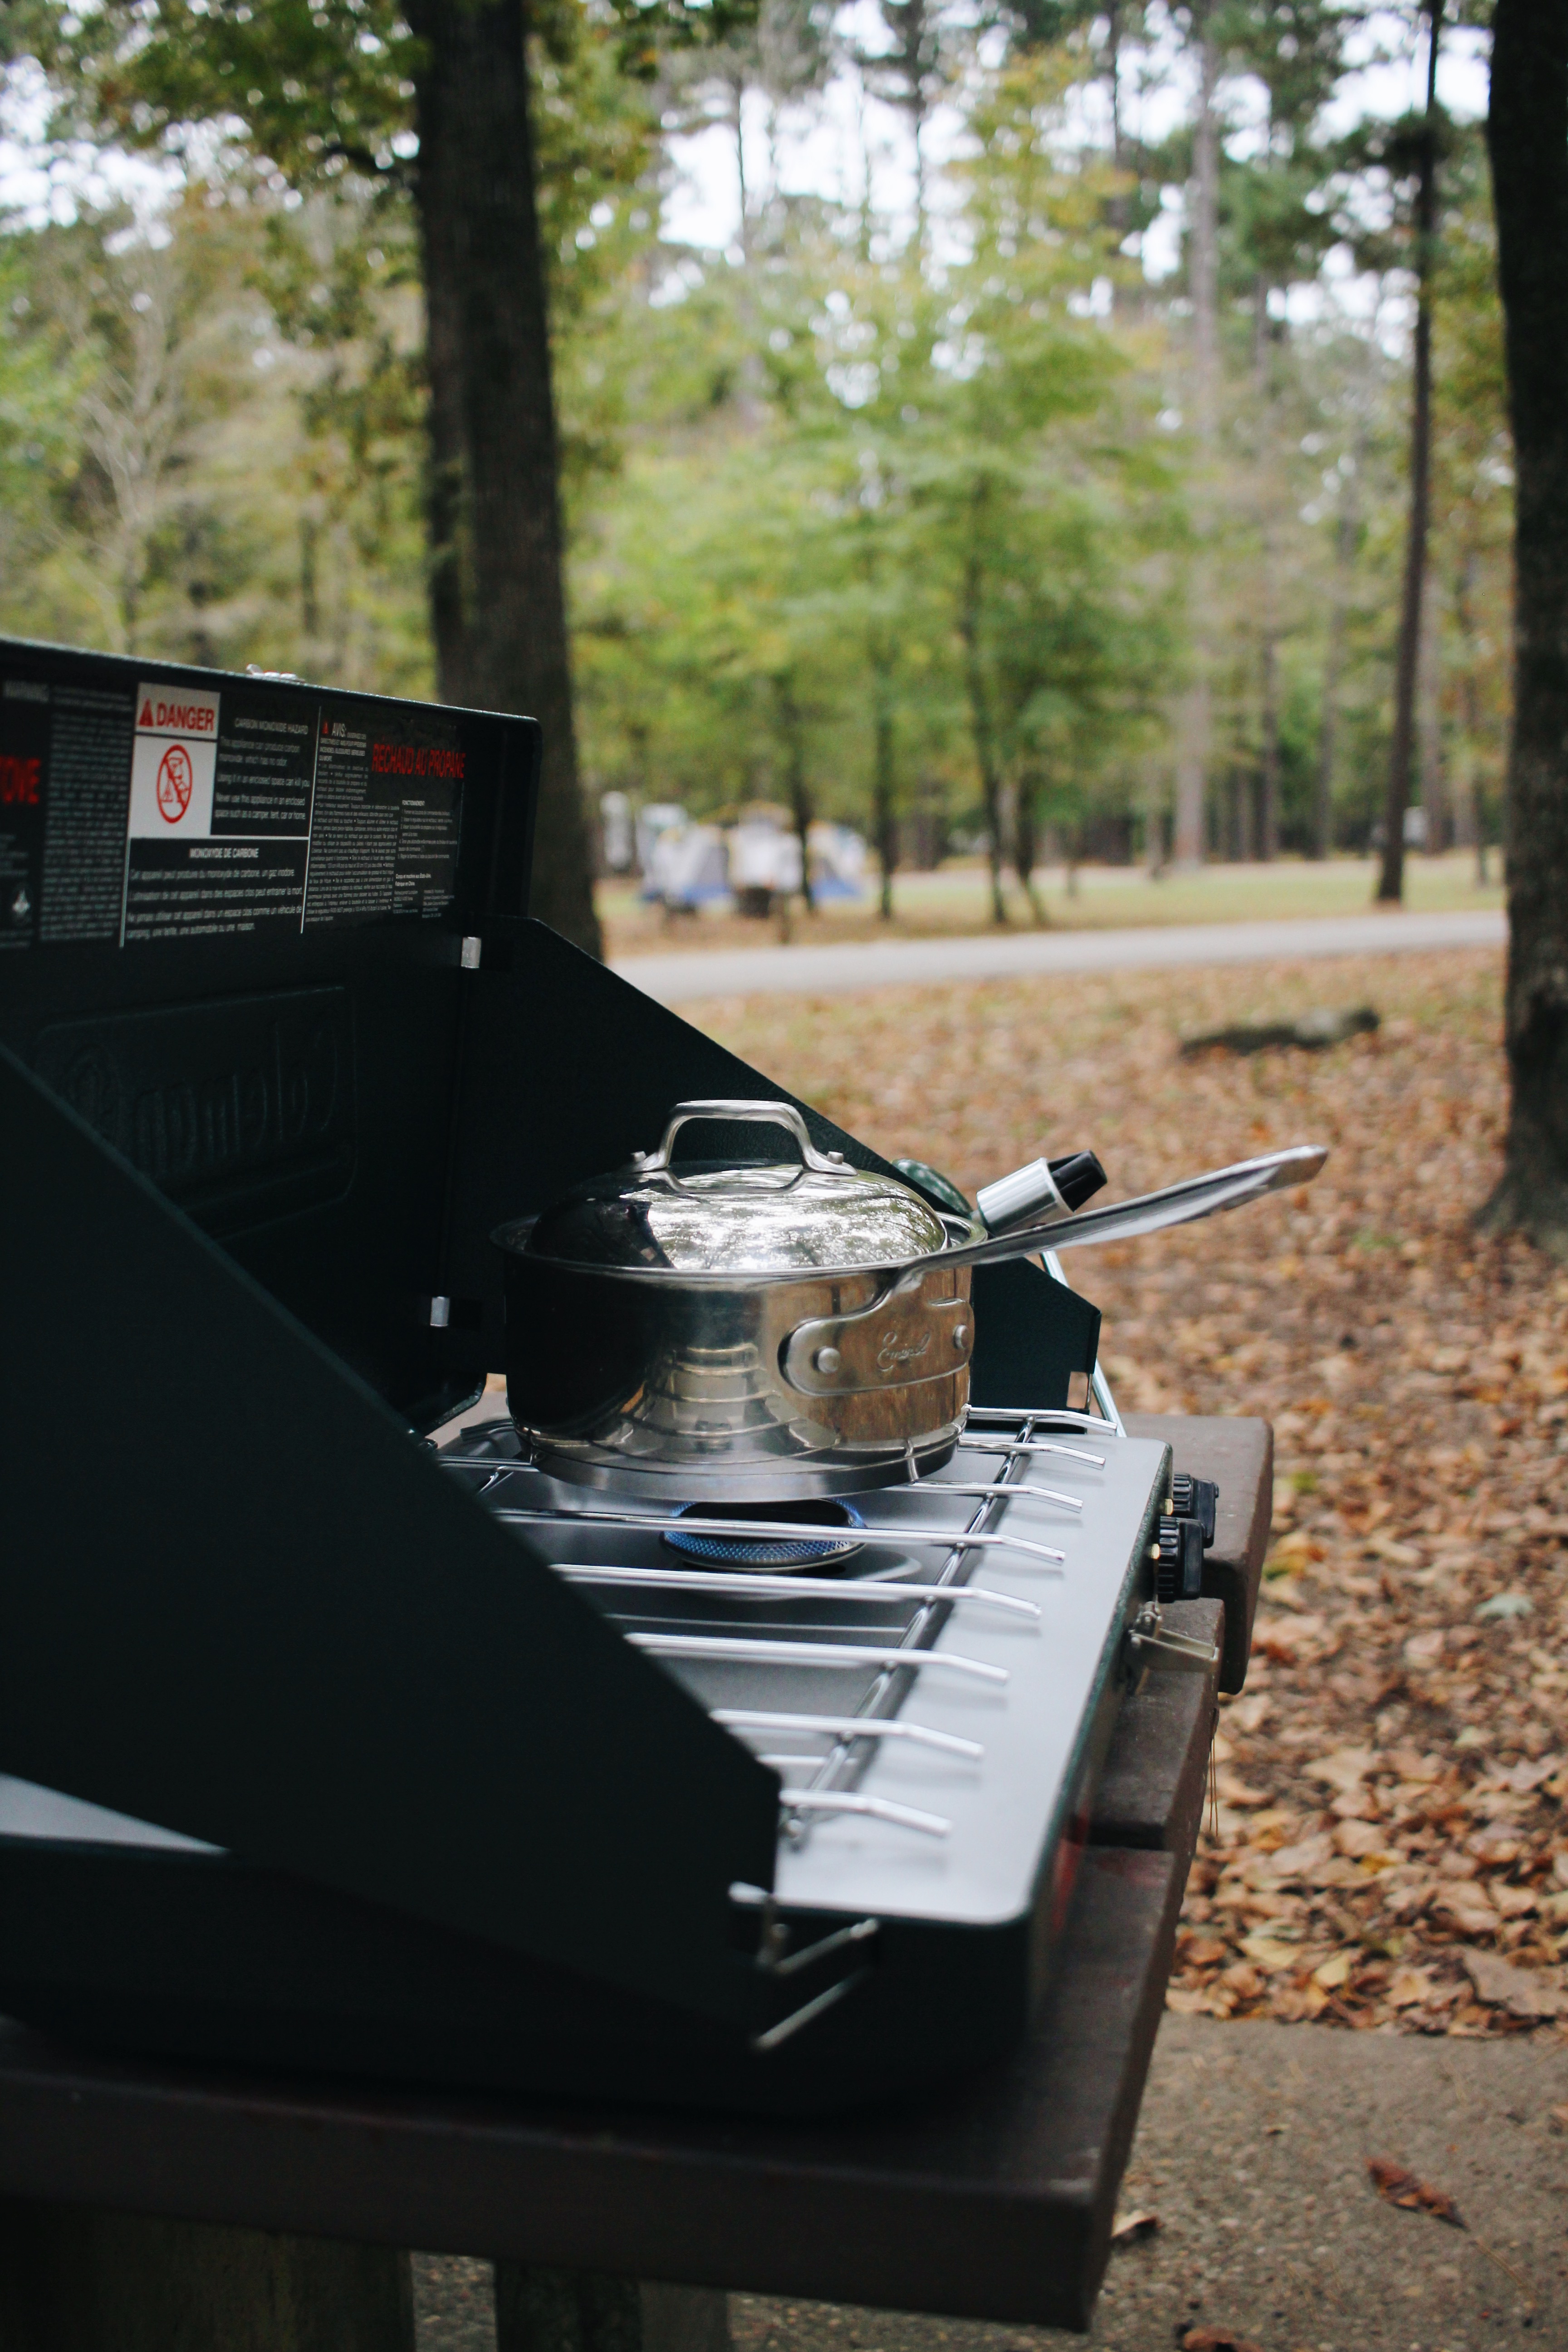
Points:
[(896, 518)]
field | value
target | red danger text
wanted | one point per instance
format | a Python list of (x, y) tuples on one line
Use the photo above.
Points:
[(18, 781), (417, 760)]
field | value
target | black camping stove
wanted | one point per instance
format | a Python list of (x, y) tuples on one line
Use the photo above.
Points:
[(322, 1747), (933, 1696)]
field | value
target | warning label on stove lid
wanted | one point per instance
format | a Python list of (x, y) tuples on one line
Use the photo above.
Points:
[(387, 814), (134, 812), (173, 764)]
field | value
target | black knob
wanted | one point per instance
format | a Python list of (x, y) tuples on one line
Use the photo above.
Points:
[(1195, 1498), (1179, 1560), (1077, 1177)]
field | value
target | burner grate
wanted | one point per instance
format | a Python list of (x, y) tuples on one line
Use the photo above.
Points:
[(826, 1676)]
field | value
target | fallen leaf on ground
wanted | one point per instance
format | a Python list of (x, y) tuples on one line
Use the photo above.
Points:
[(1271, 1953), (1128, 2228), (1217, 2340), (1359, 1840), (1467, 1908), (1558, 2117), (1524, 1992), (1401, 2187), (1235, 1791)]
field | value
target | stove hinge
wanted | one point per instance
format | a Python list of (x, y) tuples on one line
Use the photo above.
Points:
[(776, 1961)]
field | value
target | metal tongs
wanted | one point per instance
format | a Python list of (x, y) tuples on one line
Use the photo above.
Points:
[(1178, 1204)]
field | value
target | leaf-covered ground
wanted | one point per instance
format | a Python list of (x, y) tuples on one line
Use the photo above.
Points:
[(1391, 1844)]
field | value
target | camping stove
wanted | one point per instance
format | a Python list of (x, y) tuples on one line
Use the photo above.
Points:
[(330, 1744), (931, 1672)]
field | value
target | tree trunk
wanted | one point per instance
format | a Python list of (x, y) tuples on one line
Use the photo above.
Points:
[(1333, 663), (1527, 133), (1268, 826), (884, 769), (1469, 830), (1116, 210), (736, 85), (1192, 768), (884, 795), (1025, 850), (1268, 766), (1429, 721), (1242, 810), (980, 728), (793, 735), (1391, 880), (485, 271), (444, 487)]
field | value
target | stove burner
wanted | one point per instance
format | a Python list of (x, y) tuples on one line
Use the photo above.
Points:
[(766, 1551)]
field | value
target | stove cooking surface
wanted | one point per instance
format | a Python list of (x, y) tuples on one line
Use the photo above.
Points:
[(925, 1697)]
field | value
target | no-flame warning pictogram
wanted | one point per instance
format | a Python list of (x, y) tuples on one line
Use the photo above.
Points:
[(175, 779)]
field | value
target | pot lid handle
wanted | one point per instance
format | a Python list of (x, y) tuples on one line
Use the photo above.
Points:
[(760, 1114)]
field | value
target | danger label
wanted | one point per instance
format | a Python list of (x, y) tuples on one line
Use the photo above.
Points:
[(182, 713), (173, 763)]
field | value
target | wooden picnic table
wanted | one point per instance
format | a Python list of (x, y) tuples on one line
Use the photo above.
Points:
[(147, 2207)]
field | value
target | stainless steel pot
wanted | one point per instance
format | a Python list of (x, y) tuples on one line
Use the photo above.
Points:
[(758, 1332)]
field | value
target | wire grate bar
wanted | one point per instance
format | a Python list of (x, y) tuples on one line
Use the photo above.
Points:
[(874, 1591), (848, 1727), (797, 1530), (830, 1654), (877, 1808)]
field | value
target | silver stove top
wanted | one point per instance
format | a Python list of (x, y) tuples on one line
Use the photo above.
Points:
[(925, 1699)]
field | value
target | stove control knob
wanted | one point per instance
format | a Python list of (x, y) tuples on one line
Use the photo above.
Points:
[(827, 1360), (1195, 1498), (1178, 1556)]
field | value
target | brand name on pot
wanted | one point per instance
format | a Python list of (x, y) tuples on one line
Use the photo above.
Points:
[(894, 1351)]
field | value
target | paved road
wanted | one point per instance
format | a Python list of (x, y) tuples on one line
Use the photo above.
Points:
[(1009, 955)]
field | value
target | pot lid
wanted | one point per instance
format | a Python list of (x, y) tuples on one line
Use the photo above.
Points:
[(715, 1218)]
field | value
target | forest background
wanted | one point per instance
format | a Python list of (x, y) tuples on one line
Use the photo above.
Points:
[(985, 496)]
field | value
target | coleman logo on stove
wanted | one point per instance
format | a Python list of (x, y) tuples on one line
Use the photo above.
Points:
[(256, 1101)]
